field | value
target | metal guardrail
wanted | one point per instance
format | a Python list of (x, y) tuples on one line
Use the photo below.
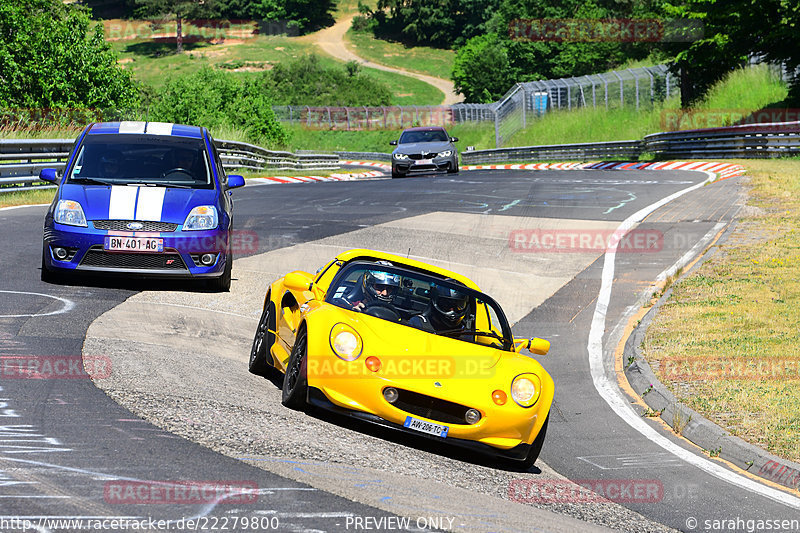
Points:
[(22, 159), (368, 156), (747, 141), (582, 151)]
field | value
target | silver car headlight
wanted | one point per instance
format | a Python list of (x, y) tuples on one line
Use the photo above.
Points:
[(400, 156), (70, 212), (201, 217), (446, 153)]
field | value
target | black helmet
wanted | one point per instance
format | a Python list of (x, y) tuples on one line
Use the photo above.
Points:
[(378, 280), (451, 304)]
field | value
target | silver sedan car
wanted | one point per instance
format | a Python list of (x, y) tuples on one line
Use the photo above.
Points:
[(424, 149)]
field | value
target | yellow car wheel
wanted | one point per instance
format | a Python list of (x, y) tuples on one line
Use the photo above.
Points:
[(260, 361), (536, 447), (295, 380)]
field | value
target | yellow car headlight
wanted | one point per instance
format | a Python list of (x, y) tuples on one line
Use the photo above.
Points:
[(525, 389), (346, 343)]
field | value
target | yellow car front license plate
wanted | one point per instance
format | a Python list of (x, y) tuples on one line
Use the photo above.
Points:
[(426, 427)]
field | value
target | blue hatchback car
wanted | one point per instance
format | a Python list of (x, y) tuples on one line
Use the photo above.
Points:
[(144, 199)]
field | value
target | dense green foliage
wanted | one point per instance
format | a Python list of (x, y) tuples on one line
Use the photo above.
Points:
[(304, 15), (214, 98), (51, 58), (299, 15), (438, 23), (733, 31), (307, 82), (524, 52), (218, 98)]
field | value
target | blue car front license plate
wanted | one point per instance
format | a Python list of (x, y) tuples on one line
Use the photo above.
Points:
[(133, 244), (426, 427)]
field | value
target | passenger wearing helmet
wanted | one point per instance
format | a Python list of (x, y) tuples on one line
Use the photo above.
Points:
[(447, 311), (376, 287)]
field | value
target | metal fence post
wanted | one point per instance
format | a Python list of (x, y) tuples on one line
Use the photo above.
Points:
[(636, 78), (496, 130)]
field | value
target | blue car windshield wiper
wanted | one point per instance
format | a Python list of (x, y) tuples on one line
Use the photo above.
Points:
[(164, 184), (97, 181)]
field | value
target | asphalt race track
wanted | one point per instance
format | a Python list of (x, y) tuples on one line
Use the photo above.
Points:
[(174, 402)]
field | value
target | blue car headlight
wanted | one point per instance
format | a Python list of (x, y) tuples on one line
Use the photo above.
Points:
[(69, 212), (446, 153), (400, 156), (202, 217)]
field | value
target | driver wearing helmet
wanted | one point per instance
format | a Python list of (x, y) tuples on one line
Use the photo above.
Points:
[(111, 164), (447, 311), (376, 287)]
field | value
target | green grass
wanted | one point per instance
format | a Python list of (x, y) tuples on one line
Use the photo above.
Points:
[(741, 310), (45, 196), (431, 61), (743, 91), (152, 63), (478, 135), (407, 90)]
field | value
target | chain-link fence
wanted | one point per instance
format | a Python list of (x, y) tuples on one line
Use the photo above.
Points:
[(635, 88), (365, 118)]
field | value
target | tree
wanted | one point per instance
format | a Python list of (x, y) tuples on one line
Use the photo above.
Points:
[(214, 98), (732, 32), (440, 23), (180, 9), (482, 71), (305, 15), (51, 57), (523, 55)]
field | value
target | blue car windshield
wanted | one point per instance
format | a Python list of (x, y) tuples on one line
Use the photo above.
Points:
[(423, 136), (142, 159)]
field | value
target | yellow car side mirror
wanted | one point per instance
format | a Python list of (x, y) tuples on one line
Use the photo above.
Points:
[(536, 345), (298, 281), (539, 346)]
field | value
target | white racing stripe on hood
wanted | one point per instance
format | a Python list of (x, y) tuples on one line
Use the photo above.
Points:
[(159, 128), (122, 203), (151, 201)]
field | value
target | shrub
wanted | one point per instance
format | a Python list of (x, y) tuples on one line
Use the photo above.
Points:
[(213, 98)]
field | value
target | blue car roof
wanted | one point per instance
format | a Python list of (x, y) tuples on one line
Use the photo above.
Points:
[(153, 128)]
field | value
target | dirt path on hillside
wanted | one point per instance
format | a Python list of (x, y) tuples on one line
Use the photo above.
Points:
[(332, 42)]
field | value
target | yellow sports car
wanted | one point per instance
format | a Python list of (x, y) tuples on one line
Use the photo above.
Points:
[(409, 346)]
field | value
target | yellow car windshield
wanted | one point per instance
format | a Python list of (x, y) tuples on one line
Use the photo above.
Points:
[(442, 307)]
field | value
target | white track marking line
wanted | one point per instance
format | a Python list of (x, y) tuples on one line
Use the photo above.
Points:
[(609, 390), (67, 305), (9, 208)]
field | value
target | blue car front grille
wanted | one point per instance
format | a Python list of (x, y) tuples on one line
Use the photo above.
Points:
[(122, 225)]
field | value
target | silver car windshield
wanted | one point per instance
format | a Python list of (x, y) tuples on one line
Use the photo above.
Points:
[(423, 136), (145, 160)]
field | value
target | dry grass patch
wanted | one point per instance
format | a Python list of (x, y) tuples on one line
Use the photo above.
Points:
[(727, 343), (43, 196)]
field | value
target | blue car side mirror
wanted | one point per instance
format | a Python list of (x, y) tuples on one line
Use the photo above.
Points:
[(234, 181), (49, 174)]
